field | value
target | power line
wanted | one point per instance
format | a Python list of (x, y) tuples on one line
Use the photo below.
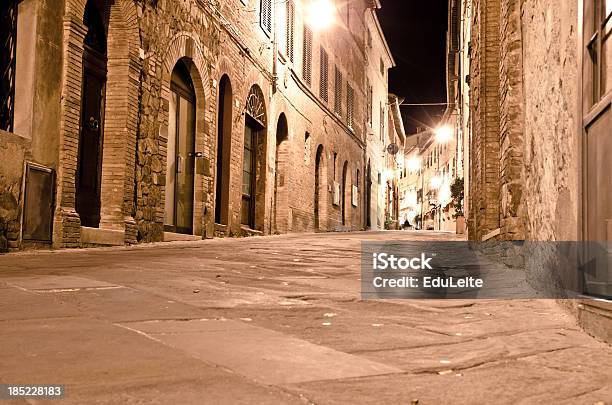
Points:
[(425, 104)]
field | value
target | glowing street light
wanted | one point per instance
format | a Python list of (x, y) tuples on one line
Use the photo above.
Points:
[(320, 14), (413, 164), (436, 182), (444, 134)]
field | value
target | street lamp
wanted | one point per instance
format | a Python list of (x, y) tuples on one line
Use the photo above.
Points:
[(320, 14), (444, 134), (436, 182), (413, 164)]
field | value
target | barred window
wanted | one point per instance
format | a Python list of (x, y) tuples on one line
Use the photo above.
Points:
[(307, 56), (338, 91), (265, 15), (8, 41), (323, 83), (290, 29), (350, 106)]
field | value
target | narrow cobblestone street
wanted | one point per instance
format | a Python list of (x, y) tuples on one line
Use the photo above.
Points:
[(276, 320)]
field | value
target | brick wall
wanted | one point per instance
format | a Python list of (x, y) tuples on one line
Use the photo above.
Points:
[(485, 113), (511, 128), (145, 41)]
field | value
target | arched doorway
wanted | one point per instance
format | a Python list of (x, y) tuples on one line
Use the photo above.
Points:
[(281, 200), (180, 151), (224, 142), (320, 188), (91, 137), (343, 193), (253, 163)]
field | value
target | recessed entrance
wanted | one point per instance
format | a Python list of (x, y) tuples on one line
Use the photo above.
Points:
[(253, 163), (281, 200), (224, 142), (89, 165), (343, 193), (180, 152), (319, 188)]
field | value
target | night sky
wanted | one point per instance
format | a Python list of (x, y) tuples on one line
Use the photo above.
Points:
[(416, 33)]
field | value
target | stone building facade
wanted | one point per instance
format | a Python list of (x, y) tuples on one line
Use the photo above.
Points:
[(379, 61), (540, 118), (144, 121)]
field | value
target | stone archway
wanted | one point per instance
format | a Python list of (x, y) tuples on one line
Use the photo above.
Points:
[(183, 46)]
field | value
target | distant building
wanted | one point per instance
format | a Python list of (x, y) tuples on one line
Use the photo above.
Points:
[(394, 162), (379, 61), (430, 170)]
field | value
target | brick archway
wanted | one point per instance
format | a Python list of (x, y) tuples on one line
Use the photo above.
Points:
[(121, 120), (120, 123), (281, 178), (320, 191)]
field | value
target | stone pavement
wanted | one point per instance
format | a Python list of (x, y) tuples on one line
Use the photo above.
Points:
[(276, 320)]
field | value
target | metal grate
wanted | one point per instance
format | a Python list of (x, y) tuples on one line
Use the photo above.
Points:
[(350, 106), (290, 29), (337, 91), (38, 203), (324, 82), (256, 106), (8, 41), (307, 56), (265, 15)]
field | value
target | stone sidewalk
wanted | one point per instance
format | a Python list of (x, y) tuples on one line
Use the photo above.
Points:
[(276, 320)]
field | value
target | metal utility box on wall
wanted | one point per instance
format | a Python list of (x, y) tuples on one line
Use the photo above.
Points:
[(39, 201)]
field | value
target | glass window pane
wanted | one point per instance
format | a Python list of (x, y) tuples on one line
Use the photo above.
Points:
[(246, 183), (171, 160)]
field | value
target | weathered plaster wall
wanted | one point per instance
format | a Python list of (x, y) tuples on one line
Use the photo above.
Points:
[(552, 142), (552, 147), (14, 149)]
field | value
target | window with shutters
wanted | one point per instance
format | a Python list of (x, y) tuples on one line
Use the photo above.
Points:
[(290, 29), (324, 80), (307, 56), (350, 106), (338, 91), (265, 16), (8, 39)]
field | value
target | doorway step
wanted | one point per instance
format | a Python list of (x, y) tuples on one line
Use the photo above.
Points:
[(93, 237), (173, 237), (245, 231)]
